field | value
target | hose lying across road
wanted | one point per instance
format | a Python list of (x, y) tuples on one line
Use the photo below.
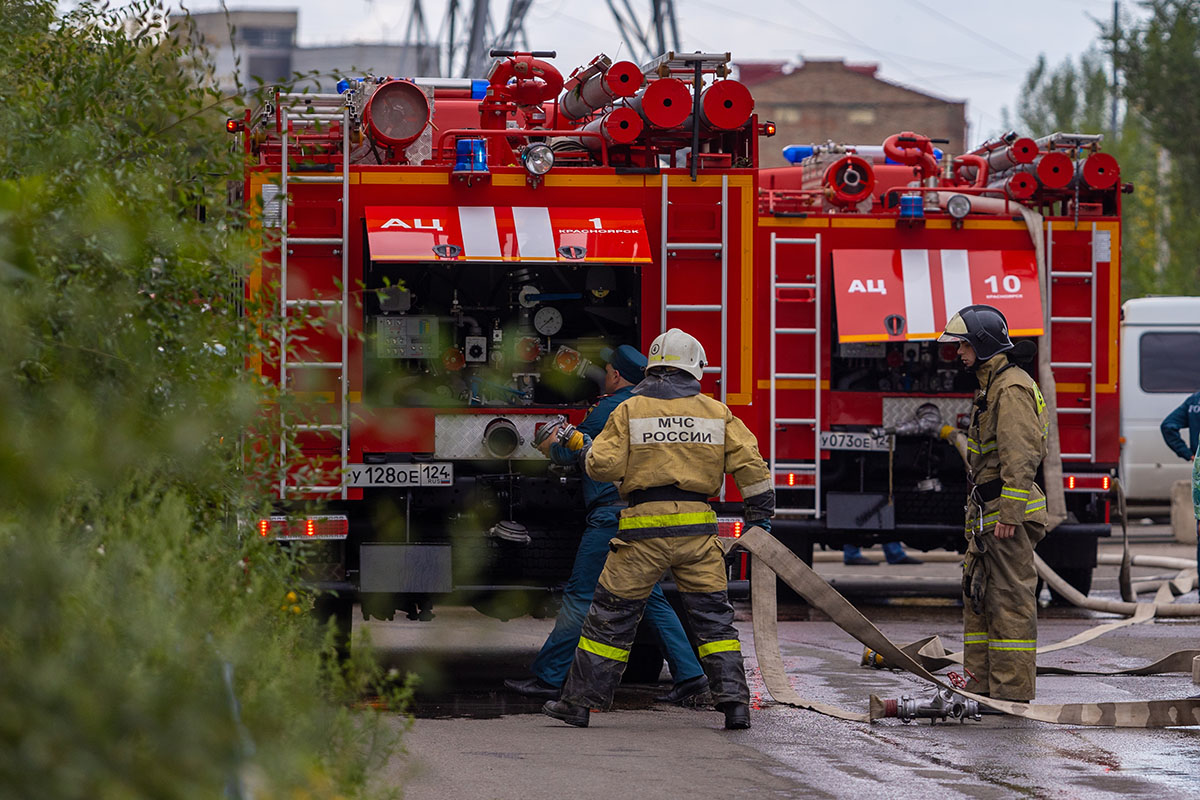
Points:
[(772, 558)]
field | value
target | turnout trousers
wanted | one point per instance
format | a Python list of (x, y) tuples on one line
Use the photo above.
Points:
[(1000, 613), (554, 660), (630, 573)]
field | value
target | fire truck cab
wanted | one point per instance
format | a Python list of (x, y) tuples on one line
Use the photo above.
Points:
[(445, 260)]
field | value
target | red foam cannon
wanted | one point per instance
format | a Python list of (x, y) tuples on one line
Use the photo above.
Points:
[(1018, 186), (725, 106), (396, 114), (623, 79), (848, 181), (664, 103), (1099, 171), (619, 126), (1054, 170)]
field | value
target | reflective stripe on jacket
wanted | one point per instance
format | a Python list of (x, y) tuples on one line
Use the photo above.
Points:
[(1007, 440)]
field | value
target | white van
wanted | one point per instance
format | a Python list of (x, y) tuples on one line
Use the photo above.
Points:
[(1160, 367)]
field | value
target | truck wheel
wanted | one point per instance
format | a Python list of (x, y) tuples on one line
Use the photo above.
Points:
[(645, 663)]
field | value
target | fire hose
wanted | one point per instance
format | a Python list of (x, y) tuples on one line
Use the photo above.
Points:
[(772, 559)]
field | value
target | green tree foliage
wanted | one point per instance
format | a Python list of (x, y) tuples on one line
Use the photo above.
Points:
[(1077, 96), (1158, 57), (151, 646)]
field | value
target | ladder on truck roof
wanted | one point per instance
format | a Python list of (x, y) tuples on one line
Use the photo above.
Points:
[(669, 250), (1091, 276), (812, 467), (306, 110)]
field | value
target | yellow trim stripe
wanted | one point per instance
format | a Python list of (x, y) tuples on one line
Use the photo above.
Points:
[(668, 520), (723, 646), (603, 650)]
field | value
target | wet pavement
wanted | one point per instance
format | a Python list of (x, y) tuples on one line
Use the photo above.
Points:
[(473, 739)]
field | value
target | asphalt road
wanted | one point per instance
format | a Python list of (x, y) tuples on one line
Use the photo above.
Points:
[(471, 739)]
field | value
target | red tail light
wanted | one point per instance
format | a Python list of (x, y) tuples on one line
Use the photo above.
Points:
[(318, 526), (729, 527), (1105, 482), (791, 479), (1070, 481)]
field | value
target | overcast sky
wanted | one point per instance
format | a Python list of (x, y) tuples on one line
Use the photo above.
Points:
[(957, 49)]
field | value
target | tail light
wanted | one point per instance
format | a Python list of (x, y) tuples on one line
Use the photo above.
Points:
[(318, 526), (730, 527), (1087, 483)]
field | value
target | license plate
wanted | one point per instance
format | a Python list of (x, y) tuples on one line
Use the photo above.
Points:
[(367, 476), (836, 440)]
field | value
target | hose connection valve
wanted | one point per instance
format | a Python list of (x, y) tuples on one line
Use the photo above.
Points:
[(563, 432), (944, 705)]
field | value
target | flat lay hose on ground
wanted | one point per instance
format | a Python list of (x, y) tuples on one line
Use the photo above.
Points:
[(772, 558)]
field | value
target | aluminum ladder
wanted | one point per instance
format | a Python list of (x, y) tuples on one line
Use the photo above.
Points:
[(668, 250), (308, 110), (812, 467), (1089, 366)]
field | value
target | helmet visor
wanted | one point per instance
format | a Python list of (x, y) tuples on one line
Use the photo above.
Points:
[(956, 330)]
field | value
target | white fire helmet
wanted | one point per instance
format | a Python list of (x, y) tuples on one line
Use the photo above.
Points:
[(679, 350)]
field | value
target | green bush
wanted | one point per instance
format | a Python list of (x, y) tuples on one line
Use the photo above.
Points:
[(151, 646)]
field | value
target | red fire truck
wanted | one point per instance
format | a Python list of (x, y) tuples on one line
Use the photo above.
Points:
[(447, 259)]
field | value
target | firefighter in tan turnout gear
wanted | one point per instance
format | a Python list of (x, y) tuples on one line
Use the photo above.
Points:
[(668, 447), (1006, 509)]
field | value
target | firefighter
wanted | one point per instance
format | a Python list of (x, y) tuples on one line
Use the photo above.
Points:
[(624, 368), (1006, 509), (669, 447)]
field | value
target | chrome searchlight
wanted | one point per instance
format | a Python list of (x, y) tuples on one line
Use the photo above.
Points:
[(958, 206), (538, 159)]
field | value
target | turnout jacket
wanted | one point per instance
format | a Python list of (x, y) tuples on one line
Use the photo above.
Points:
[(1006, 443), (677, 445)]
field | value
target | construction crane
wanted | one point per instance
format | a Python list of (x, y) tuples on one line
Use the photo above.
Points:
[(469, 33), (647, 40)]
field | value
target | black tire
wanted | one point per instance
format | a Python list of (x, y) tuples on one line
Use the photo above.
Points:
[(645, 663)]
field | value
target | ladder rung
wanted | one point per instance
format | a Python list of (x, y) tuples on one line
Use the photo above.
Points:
[(1087, 456), (313, 239), (293, 303), (713, 370), (796, 466), (307, 97), (795, 421), (314, 178), (795, 241), (313, 116), (795, 286), (796, 512), (695, 246), (313, 364), (311, 426), (1075, 411), (1070, 319), (802, 376), (312, 489), (1071, 364), (716, 307), (1059, 273), (796, 331)]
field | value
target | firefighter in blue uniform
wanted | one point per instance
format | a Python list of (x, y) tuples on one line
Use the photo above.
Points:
[(624, 369)]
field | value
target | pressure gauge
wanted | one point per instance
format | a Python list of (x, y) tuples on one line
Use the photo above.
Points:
[(548, 321)]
